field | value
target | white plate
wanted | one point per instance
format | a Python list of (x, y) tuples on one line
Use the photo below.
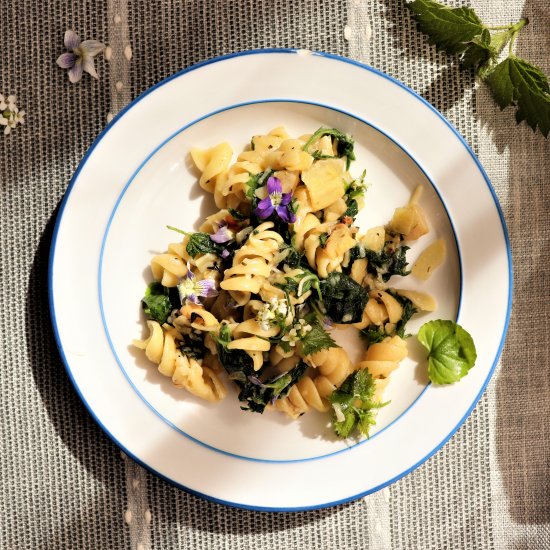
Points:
[(136, 179)]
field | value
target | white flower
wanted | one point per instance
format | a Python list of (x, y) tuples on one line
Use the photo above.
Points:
[(297, 332), (10, 115), (269, 313), (80, 56)]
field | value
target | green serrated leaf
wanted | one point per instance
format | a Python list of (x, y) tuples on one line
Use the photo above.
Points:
[(317, 338), (514, 81), (353, 405), (479, 51), (448, 28)]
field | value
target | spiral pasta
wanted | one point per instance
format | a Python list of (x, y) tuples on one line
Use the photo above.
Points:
[(170, 267), (161, 348), (262, 282), (311, 391), (381, 359), (252, 264)]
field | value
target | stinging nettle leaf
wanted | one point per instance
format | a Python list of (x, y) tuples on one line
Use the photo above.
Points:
[(448, 28), (514, 81)]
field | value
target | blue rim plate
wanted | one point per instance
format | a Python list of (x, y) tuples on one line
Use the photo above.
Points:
[(121, 155)]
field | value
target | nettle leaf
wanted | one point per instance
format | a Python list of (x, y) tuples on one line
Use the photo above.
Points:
[(343, 299), (344, 145), (517, 82), (353, 405), (159, 301), (479, 51), (450, 29), (317, 338), (451, 351)]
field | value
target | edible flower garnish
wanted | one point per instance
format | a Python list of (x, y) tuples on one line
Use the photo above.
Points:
[(191, 290), (297, 332), (276, 201), (80, 57), (272, 312), (10, 115), (222, 235)]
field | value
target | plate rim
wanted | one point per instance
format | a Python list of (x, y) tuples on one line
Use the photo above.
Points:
[(222, 58)]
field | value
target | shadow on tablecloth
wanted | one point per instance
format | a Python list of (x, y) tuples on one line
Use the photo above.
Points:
[(523, 382)]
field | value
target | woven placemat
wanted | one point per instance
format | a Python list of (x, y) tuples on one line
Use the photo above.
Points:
[(64, 484)]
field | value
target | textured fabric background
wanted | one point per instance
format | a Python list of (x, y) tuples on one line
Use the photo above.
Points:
[(63, 483)]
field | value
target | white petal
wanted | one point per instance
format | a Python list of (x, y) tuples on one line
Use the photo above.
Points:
[(71, 40), (92, 47), (88, 66), (3, 106), (7, 130), (3, 121)]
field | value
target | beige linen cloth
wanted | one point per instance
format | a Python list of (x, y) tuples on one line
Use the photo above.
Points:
[(63, 483)]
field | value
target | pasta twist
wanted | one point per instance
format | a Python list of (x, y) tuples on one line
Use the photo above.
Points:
[(289, 156), (382, 309), (161, 348), (381, 359), (330, 257), (252, 264), (305, 219), (312, 391), (251, 337), (170, 267), (212, 163)]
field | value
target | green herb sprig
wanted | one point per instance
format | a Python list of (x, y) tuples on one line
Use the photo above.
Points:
[(513, 81)]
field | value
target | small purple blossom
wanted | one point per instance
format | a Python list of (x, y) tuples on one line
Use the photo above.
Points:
[(255, 380), (276, 201), (191, 290), (222, 235), (225, 253), (80, 56)]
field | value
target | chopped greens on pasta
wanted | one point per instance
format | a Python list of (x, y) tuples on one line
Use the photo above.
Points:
[(253, 296)]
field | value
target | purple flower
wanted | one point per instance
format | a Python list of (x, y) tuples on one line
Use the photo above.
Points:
[(276, 201), (80, 56), (222, 235), (191, 290)]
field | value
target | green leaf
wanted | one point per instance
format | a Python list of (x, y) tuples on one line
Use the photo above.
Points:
[(344, 145), (391, 260), (317, 338), (255, 181), (200, 243), (448, 28), (451, 351), (157, 302), (343, 299), (479, 52), (353, 405), (517, 82), (352, 209), (373, 334)]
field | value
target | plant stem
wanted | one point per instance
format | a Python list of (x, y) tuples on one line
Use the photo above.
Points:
[(514, 30)]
